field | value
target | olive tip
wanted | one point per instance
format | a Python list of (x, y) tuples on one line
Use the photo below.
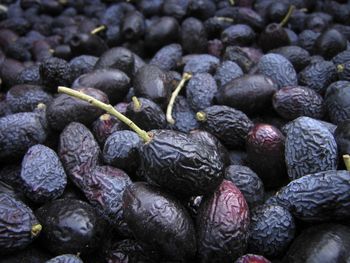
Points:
[(340, 68), (201, 116), (36, 229)]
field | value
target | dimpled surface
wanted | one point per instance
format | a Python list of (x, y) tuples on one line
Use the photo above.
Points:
[(294, 102), (18, 132), (16, 222), (250, 258), (320, 196), (222, 225), (229, 125), (248, 183), (159, 221), (24, 98), (310, 147), (178, 163), (279, 69), (79, 152), (105, 192), (42, 174), (318, 76), (69, 226), (337, 101), (271, 229), (121, 150), (227, 71), (202, 64), (200, 91), (67, 258), (167, 57)]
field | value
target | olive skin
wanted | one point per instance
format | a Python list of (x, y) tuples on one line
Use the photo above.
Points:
[(249, 93), (113, 82), (317, 197), (70, 226), (229, 125), (180, 164), (42, 175), (330, 43), (18, 224), (159, 221), (66, 258), (323, 243), (222, 225), (18, 132), (309, 148)]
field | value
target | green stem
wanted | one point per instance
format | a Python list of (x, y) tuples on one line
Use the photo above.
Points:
[(225, 19), (232, 2), (186, 76), (201, 116), (98, 29), (346, 159), (108, 108), (36, 229), (286, 18), (3, 8), (340, 68), (137, 103)]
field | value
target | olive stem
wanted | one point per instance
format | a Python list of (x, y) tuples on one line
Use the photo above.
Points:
[(186, 76), (340, 68), (137, 103), (232, 2), (288, 15), (225, 19), (98, 30), (346, 159), (201, 116), (108, 108), (36, 229), (3, 8)]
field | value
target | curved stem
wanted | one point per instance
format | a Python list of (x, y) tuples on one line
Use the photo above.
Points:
[(98, 29), (201, 116), (3, 8), (288, 15), (108, 108), (232, 2), (137, 103), (36, 229), (186, 76), (346, 159)]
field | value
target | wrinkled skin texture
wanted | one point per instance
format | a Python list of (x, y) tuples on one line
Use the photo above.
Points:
[(226, 72), (247, 182), (200, 91), (229, 125), (222, 225), (18, 132), (328, 243), (293, 102), (318, 76), (310, 147), (167, 57), (250, 258), (104, 192), (122, 150), (24, 98), (159, 221), (16, 222), (42, 174), (271, 230), (70, 226), (78, 152), (67, 258), (176, 162), (279, 69), (317, 197)]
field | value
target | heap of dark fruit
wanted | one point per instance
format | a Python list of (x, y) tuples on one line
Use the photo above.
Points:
[(174, 131)]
